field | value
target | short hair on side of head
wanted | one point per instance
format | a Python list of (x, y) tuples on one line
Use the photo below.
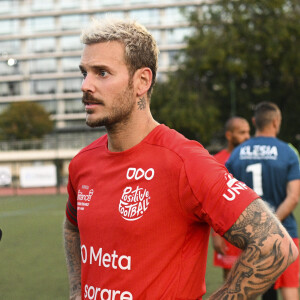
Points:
[(140, 47), (264, 114)]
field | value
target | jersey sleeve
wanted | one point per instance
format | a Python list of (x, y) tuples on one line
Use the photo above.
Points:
[(71, 207), (211, 193)]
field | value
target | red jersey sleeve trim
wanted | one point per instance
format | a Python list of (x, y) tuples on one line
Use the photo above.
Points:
[(71, 213)]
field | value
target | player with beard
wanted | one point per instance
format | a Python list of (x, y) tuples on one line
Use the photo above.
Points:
[(237, 131), (142, 198)]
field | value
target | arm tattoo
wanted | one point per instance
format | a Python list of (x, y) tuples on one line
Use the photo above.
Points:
[(142, 103), (260, 234), (73, 257)]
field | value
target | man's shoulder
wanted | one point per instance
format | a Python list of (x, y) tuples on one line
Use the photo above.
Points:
[(173, 141), (98, 143)]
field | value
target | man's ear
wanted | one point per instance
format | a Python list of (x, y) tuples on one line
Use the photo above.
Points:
[(143, 81), (253, 121), (228, 135)]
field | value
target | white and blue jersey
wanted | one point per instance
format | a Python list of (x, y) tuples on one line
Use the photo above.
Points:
[(267, 164)]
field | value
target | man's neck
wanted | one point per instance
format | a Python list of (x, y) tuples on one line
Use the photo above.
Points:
[(265, 133), (122, 137), (229, 148)]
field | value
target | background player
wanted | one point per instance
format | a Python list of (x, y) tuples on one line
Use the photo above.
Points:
[(237, 130), (271, 168)]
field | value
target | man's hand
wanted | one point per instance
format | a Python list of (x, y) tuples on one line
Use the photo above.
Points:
[(218, 243)]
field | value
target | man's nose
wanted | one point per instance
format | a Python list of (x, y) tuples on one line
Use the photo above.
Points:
[(87, 84)]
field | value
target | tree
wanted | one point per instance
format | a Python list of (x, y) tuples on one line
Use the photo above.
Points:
[(242, 53), (24, 120), (185, 110)]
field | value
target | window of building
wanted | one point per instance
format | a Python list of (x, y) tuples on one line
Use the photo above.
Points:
[(142, 1), (145, 16), (42, 5), (108, 2), (9, 88), (6, 6), (69, 4), (9, 47), (73, 106), (72, 21), (71, 42), (113, 14), (49, 105), (70, 63), (41, 24), (72, 85), (45, 65), (5, 69), (9, 26), (43, 86), (157, 36), (75, 124), (177, 36), (174, 15), (46, 44)]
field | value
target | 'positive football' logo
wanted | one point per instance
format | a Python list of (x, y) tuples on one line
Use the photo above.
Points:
[(133, 203)]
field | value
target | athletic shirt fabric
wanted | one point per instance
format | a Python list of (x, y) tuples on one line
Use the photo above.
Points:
[(267, 164), (222, 156), (144, 216)]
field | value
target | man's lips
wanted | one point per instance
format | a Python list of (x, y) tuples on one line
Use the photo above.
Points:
[(91, 105)]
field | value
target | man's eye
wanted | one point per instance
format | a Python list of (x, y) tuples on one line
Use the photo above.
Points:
[(84, 74), (103, 73)]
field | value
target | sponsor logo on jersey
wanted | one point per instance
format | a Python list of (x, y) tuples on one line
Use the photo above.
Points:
[(133, 173), (135, 200), (259, 152), (133, 203), (97, 293), (90, 255), (234, 187), (84, 197)]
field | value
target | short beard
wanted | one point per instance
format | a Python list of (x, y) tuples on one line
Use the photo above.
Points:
[(120, 112)]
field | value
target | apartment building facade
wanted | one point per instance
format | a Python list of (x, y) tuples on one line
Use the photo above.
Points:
[(40, 47)]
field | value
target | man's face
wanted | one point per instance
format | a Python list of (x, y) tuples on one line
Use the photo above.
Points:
[(240, 133), (108, 93)]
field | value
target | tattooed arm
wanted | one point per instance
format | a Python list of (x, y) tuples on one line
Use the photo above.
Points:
[(73, 257), (268, 251)]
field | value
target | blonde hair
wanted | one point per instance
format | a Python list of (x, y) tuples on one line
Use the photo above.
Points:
[(140, 47)]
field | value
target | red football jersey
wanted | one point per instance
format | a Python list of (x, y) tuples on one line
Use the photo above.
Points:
[(222, 156), (144, 216)]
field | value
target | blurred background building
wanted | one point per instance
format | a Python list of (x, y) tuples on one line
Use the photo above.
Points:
[(40, 47), (39, 55)]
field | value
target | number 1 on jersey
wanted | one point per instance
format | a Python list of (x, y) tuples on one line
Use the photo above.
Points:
[(256, 170)]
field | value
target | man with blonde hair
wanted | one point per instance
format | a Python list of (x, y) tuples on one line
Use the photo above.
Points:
[(142, 197)]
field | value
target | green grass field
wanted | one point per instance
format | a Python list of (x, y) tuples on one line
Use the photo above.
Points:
[(32, 264)]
